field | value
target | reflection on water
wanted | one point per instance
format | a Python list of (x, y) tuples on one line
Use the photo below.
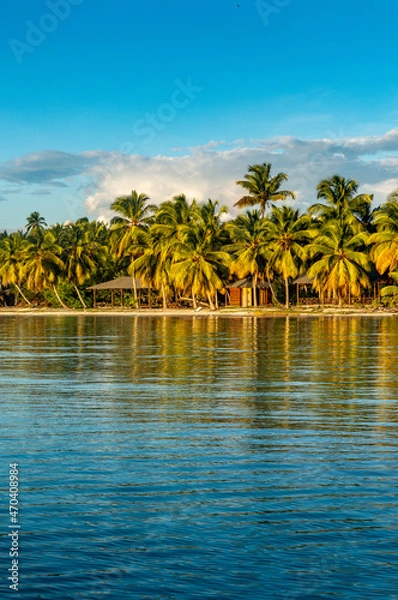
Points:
[(202, 457)]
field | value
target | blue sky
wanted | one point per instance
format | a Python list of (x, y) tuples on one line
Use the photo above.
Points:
[(161, 90)]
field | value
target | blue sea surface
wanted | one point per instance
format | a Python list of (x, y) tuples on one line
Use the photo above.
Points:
[(201, 457)]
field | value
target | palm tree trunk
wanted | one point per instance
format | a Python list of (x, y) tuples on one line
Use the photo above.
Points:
[(254, 284), (59, 297), (272, 292), (23, 295), (211, 303), (195, 305), (287, 303), (80, 296), (134, 286), (164, 297)]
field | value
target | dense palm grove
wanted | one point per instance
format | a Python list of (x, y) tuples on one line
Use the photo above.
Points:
[(187, 252)]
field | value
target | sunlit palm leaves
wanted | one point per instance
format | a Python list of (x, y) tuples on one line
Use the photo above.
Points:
[(152, 263), (342, 201), (384, 242), (250, 246), (12, 256), (198, 261), (288, 237), (185, 248), (42, 264), (341, 264), (198, 266), (82, 254), (35, 222), (134, 213), (262, 188)]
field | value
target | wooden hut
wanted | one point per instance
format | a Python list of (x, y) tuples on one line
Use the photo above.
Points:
[(303, 280), (120, 284), (241, 293)]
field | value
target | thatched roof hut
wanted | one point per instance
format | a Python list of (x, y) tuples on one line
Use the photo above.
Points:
[(247, 282), (303, 280), (121, 284)]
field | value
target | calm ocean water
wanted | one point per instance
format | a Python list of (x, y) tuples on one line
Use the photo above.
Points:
[(186, 458)]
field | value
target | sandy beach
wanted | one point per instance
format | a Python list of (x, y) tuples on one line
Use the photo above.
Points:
[(186, 312)]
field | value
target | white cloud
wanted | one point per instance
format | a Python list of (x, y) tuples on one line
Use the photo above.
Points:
[(210, 171), (382, 189)]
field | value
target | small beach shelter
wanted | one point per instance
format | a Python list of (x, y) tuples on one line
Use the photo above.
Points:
[(302, 280), (120, 284)]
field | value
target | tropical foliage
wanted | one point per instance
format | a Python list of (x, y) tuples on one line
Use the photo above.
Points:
[(288, 239), (263, 189), (189, 253), (341, 266), (249, 248)]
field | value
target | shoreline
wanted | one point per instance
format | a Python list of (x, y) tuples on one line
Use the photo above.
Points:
[(187, 312)]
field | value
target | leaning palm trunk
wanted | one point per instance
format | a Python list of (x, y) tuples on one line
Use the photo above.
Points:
[(134, 287), (211, 303), (80, 296), (23, 295), (272, 292), (59, 297)]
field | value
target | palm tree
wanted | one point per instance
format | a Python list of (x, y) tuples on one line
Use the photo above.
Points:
[(384, 243), (249, 235), (263, 189), (134, 214), (211, 217), (35, 222), (173, 216), (152, 263), (342, 200), (199, 264), (43, 266), (393, 197), (289, 233), (391, 290), (12, 255), (341, 264), (81, 255)]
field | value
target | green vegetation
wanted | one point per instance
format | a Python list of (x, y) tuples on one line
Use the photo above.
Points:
[(188, 252)]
